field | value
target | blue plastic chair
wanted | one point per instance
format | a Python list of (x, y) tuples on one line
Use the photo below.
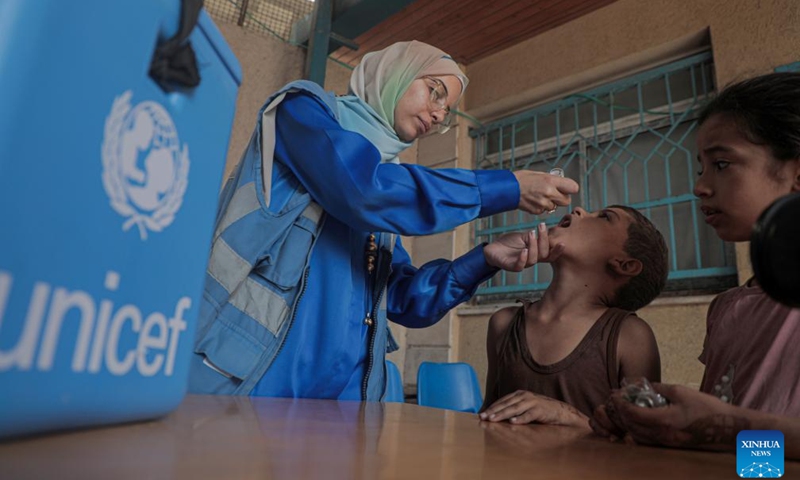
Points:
[(394, 385), (452, 386)]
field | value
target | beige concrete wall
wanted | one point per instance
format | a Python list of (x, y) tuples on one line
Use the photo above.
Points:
[(337, 78), (267, 64), (748, 37)]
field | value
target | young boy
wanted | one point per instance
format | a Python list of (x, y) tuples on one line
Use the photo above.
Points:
[(555, 360)]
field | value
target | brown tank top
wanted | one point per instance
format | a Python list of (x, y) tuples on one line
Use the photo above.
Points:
[(584, 378)]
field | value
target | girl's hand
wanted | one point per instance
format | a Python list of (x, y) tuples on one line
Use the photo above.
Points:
[(691, 420)]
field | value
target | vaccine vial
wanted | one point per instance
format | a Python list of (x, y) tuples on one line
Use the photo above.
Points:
[(558, 172)]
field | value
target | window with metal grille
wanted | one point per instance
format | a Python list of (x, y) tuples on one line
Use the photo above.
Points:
[(279, 18), (628, 142)]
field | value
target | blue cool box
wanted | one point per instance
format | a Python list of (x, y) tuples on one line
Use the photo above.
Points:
[(108, 193)]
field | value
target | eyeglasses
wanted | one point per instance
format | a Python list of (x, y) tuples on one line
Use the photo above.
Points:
[(438, 101)]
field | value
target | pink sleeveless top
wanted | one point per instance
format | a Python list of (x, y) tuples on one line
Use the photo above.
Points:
[(752, 352)]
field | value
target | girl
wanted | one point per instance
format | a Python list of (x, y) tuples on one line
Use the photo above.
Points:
[(748, 148)]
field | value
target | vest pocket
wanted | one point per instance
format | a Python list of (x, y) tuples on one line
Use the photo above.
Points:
[(283, 265), (225, 358), (205, 380)]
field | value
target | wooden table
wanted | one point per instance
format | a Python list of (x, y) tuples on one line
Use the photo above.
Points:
[(235, 437)]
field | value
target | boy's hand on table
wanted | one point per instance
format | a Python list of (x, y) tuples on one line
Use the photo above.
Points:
[(692, 420), (519, 250), (527, 440), (527, 407)]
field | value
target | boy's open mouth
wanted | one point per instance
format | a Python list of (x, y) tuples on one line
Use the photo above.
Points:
[(565, 222)]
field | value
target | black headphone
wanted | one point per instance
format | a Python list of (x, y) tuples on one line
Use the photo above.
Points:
[(775, 250)]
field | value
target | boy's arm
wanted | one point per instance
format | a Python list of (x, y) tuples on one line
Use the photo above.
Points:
[(498, 323), (637, 351)]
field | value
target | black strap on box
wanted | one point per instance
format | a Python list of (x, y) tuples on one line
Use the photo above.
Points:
[(174, 63)]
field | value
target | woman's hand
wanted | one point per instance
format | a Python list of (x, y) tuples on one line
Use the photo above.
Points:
[(528, 407), (518, 250), (541, 192), (691, 420)]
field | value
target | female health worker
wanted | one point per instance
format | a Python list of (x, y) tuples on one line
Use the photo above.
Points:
[(306, 263)]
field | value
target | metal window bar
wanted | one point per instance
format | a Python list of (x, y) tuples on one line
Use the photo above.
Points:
[(270, 17), (791, 67), (628, 142)]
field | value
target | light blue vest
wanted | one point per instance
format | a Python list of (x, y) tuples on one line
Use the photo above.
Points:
[(258, 269)]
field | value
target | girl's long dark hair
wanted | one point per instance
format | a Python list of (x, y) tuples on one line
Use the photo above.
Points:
[(766, 109)]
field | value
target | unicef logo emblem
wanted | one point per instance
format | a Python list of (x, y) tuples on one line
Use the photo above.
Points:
[(145, 170)]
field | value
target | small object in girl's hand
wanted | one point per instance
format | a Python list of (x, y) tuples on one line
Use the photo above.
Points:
[(558, 172), (642, 394)]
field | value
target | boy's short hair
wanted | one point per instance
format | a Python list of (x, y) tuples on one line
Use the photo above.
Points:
[(646, 244)]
